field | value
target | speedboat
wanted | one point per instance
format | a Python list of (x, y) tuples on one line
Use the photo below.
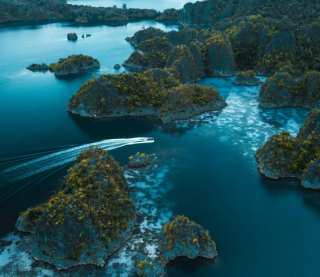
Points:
[(151, 138)]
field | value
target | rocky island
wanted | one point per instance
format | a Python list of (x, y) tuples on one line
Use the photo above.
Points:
[(285, 89), (138, 160), (36, 66), (73, 64), (286, 156), (152, 93), (90, 217), (247, 78), (180, 237), (72, 36)]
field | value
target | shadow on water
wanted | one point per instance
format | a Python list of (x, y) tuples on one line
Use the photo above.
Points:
[(310, 197), (99, 129), (187, 266), (72, 77)]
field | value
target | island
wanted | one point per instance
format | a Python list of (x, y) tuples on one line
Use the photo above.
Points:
[(180, 237), (286, 88), (247, 78), (286, 156), (26, 11), (72, 36), (70, 65), (151, 93), (36, 66), (88, 219), (138, 160)]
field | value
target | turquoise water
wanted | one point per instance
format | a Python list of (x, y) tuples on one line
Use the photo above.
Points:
[(206, 169)]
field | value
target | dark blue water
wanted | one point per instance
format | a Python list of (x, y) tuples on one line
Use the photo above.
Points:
[(208, 172)]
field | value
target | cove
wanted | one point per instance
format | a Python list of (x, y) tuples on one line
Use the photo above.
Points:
[(206, 169)]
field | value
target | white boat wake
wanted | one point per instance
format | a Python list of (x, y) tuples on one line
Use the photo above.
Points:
[(57, 159)]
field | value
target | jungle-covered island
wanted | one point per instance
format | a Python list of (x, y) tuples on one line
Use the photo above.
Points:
[(26, 11), (70, 65), (90, 217), (286, 156), (180, 237), (151, 93)]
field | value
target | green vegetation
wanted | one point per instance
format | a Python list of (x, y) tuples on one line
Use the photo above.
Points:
[(71, 62), (286, 155), (169, 15), (155, 90), (249, 73), (186, 232), (94, 197), (157, 53), (36, 10), (220, 41)]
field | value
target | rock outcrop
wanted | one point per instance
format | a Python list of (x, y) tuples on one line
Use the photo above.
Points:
[(186, 64), (72, 36), (283, 89), (138, 160), (169, 15), (151, 53), (117, 66), (218, 56), (36, 66), (74, 64), (90, 218), (180, 237), (247, 78), (152, 93), (286, 156), (208, 13)]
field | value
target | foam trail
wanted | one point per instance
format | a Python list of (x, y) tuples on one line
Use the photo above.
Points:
[(35, 166)]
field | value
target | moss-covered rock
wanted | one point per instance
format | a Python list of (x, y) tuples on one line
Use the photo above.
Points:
[(72, 36), (183, 237), (145, 34), (138, 160), (151, 53), (247, 78), (186, 64), (147, 267), (36, 66), (180, 237), (74, 64), (217, 55), (285, 156), (88, 219), (283, 89), (169, 15), (154, 93)]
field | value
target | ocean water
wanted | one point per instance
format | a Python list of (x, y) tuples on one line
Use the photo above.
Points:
[(204, 167)]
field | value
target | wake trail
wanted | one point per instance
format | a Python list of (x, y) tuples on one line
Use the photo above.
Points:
[(57, 159)]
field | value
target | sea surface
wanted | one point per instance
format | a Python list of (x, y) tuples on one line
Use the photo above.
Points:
[(206, 167)]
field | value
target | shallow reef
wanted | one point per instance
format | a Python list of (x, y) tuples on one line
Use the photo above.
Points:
[(90, 217)]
